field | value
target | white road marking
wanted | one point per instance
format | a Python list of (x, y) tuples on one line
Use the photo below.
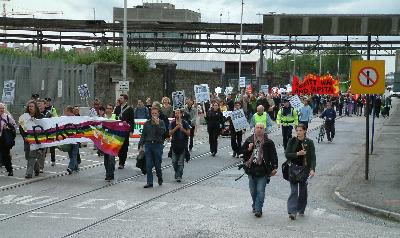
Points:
[(57, 217)]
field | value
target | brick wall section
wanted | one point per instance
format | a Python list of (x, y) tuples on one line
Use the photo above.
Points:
[(150, 84)]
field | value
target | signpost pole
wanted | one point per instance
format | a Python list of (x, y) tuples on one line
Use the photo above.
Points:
[(373, 122), (367, 116)]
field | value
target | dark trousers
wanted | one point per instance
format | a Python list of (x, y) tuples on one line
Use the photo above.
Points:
[(6, 158), (286, 134), (340, 109), (191, 137), (153, 154), (236, 141), (297, 200), (213, 139), (109, 165), (330, 129), (123, 152), (52, 153)]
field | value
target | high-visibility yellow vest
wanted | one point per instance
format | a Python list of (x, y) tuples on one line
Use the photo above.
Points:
[(260, 119)]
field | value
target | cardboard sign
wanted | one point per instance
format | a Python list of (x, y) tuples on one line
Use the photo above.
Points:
[(178, 99), (296, 103), (8, 92), (202, 93), (123, 86), (242, 82), (228, 90), (239, 120), (264, 89), (83, 91)]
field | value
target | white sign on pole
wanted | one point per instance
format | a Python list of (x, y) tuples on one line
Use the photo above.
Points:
[(59, 88), (228, 90), (242, 82), (296, 103), (178, 99), (239, 120), (218, 90), (202, 93), (123, 86), (8, 92), (264, 89), (84, 91)]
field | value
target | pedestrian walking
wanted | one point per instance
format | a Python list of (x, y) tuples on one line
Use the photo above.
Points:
[(6, 122), (179, 131), (126, 114), (73, 149), (31, 112), (109, 160), (260, 163), (329, 116), (141, 111), (166, 107), (287, 117), (261, 117), (300, 152), (191, 112), (236, 136), (151, 141), (305, 114), (215, 123)]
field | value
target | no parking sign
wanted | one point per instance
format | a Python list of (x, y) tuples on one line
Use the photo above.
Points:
[(368, 76)]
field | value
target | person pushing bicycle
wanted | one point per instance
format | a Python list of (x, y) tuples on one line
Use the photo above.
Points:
[(329, 115)]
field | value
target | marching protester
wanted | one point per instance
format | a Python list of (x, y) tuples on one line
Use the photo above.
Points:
[(7, 122), (300, 152), (287, 117), (215, 123), (151, 141), (31, 112), (53, 113), (236, 136), (260, 163), (305, 114), (44, 114), (109, 160), (162, 117), (166, 107), (126, 114), (329, 115), (179, 131), (74, 148), (141, 111), (50, 108), (191, 112), (261, 117)]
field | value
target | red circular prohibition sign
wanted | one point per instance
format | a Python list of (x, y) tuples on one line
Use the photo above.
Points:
[(368, 77)]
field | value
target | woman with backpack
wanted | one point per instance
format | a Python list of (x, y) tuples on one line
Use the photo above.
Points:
[(7, 122)]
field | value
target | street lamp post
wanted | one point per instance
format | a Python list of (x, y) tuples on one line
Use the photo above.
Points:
[(240, 51), (125, 42)]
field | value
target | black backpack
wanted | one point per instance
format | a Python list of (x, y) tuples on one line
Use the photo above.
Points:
[(8, 134)]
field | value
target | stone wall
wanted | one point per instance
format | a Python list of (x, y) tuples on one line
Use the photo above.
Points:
[(151, 84)]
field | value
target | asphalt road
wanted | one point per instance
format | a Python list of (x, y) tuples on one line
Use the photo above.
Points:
[(208, 202)]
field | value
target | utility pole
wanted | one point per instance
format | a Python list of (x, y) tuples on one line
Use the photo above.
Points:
[(125, 43), (240, 51)]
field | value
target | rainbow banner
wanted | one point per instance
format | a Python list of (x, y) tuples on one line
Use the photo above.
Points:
[(107, 135)]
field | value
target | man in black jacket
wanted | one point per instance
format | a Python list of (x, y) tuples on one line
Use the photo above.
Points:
[(127, 115), (261, 162)]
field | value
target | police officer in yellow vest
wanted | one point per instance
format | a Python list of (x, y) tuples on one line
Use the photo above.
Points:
[(287, 117), (261, 117)]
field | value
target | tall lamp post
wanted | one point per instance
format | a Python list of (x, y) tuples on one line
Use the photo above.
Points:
[(240, 51), (125, 41)]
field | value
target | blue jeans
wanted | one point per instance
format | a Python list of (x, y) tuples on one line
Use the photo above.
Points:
[(109, 165), (153, 154), (297, 200), (73, 154), (257, 191), (178, 163)]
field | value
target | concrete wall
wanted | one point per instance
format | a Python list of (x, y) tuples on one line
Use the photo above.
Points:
[(151, 84)]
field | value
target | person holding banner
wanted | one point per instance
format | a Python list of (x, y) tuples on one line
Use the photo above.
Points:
[(215, 123), (236, 136), (127, 115), (151, 141), (74, 150), (287, 117), (109, 160), (31, 112)]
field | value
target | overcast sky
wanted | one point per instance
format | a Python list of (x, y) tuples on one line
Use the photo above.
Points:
[(211, 10)]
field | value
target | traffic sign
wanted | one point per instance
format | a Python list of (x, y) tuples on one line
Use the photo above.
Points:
[(123, 86), (368, 76)]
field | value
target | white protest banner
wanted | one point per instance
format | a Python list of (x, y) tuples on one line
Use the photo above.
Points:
[(242, 82), (8, 92), (296, 103), (178, 99), (202, 93), (264, 89), (228, 90), (239, 120), (83, 91)]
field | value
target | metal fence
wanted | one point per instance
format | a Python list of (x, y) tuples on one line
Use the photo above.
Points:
[(54, 79)]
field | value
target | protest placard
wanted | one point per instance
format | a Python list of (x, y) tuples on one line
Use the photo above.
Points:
[(83, 91), (202, 93), (8, 92), (296, 103), (239, 120), (178, 99)]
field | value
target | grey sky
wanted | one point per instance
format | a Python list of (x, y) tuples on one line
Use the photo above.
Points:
[(212, 10)]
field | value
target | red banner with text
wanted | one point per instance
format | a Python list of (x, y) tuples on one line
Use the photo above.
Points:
[(315, 84)]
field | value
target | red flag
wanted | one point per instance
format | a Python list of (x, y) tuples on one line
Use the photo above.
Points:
[(249, 89)]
